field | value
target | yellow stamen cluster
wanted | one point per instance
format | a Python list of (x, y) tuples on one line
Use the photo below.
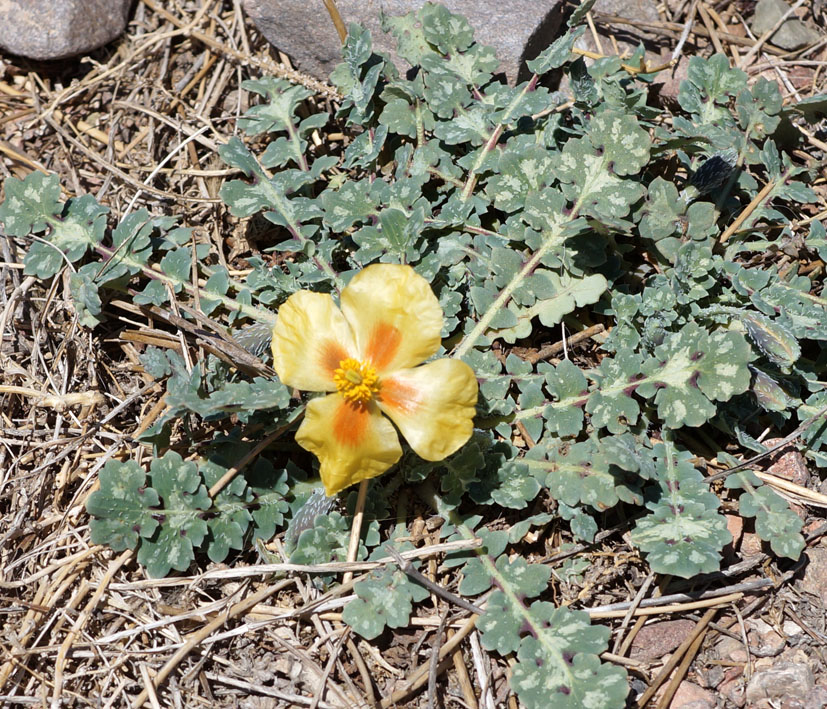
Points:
[(356, 381)]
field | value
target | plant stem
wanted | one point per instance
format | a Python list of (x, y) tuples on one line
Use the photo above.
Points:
[(356, 528), (333, 11), (155, 273)]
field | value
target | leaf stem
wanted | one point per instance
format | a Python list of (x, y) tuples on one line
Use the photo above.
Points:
[(154, 272), (541, 634), (471, 180), (751, 207), (505, 295), (253, 453)]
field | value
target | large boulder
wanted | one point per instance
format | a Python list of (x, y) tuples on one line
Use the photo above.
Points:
[(517, 29), (56, 29)]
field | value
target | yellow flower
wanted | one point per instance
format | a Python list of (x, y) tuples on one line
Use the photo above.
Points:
[(366, 354)]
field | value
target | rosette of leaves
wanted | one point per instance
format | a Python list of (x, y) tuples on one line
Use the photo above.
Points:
[(385, 597), (164, 511), (167, 514), (557, 650), (531, 217), (775, 522)]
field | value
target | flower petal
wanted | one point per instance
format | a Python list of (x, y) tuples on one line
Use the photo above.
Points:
[(394, 314), (310, 338), (352, 443), (432, 405)]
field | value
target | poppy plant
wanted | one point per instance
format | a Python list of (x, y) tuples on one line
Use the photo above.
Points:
[(365, 354)]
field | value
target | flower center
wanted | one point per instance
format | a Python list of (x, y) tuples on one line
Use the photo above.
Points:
[(356, 381)]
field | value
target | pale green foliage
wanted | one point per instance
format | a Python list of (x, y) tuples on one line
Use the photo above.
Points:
[(774, 521), (685, 533), (527, 220), (385, 598), (164, 514)]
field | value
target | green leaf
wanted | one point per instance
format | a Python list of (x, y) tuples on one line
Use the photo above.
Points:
[(583, 526), (445, 94), (365, 148), (178, 265), (621, 140), (396, 229), (270, 488), (526, 579), (411, 44), (612, 404), (775, 522), (132, 239), (384, 600), (29, 203), (122, 508), (558, 661), (812, 109), (710, 84), (515, 486), (500, 625), (155, 293), (352, 203), (182, 527), (85, 296), (519, 530), (263, 192), (259, 394), (557, 297), (79, 227), (684, 535), (661, 212), (579, 680), (576, 473), (400, 117), (358, 76), (569, 390), (326, 541), (230, 516), (471, 126), (580, 12), (557, 54), (444, 30), (156, 362), (493, 543), (523, 171), (279, 112), (691, 370), (758, 108), (594, 183)]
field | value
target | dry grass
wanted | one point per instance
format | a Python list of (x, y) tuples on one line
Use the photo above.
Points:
[(83, 626)]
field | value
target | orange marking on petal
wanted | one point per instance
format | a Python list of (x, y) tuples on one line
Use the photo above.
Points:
[(396, 395), (383, 345), (350, 422), (332, 353)]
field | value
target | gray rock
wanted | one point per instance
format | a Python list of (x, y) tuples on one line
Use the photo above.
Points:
[(814, 580), (793, 34), (691, 696), (660, 638), (517, 29), (782, 681), (56, 29), (627, 37), (817, 699)]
